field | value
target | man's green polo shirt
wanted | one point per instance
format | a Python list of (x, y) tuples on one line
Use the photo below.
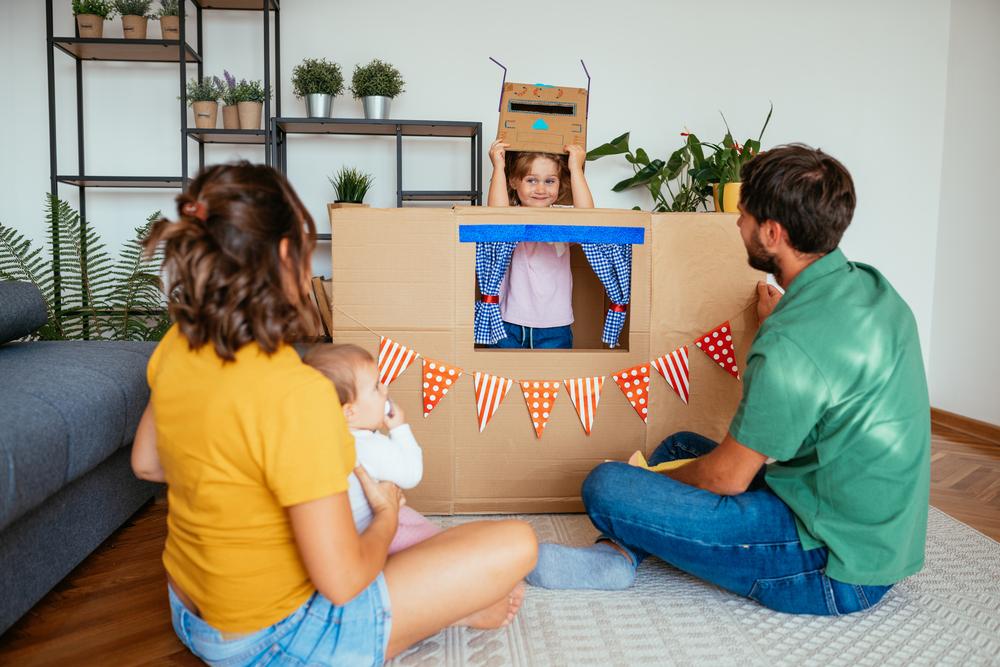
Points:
[(835, 391)]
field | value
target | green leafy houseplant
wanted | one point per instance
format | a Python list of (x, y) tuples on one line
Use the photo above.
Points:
[(169, 8), (206, 90), (726, 161), (351, 185), (101, 297), (251, 91), (377, 78), (102, 8), (317, 76), (133, 7)]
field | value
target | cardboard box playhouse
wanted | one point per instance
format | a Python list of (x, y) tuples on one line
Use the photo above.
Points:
[(408, 277)]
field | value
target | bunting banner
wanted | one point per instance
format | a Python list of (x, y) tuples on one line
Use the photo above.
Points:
[(674, 369), (585, 394), (438, 380), (634, 383), (718, 345), (540, 396), (490, 392), (393, 360)]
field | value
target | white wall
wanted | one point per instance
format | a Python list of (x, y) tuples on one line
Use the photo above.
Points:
[(864, 81), (964, 362)]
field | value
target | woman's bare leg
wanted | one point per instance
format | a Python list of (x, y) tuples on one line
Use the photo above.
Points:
[(468, 573)]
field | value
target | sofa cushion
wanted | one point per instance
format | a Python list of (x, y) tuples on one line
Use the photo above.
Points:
[(66, 407), (22, 310)]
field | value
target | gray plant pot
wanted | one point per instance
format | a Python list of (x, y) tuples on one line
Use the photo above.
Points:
[(376, 107), (318, 105)]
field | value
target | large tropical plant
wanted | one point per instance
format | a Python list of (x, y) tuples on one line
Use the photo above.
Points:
[(99, 297)]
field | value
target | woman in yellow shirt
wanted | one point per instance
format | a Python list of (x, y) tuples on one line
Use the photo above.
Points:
[(263, 560)]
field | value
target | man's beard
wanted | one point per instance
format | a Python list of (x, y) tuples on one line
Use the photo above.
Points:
[(760, 259)]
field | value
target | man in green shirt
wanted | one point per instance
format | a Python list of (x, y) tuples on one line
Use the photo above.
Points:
[(834, 392)]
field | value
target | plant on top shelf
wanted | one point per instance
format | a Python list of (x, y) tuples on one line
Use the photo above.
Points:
[(319, 81), (91, 15), (351, 185), (203, 97), (135, 17), (250, 96), (169, 15), (375, 84)]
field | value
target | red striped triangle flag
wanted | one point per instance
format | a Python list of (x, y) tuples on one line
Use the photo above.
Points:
[(718, 345), (585, 394), (438, 380), (674, 369), (634, 383), (490, 392), (540, 396), (393, 359)]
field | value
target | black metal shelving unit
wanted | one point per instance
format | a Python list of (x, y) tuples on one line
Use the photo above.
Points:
[(282, 127)]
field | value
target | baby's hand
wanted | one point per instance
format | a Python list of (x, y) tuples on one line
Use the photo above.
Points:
[(498, 154), (395, 417), (577, 156)]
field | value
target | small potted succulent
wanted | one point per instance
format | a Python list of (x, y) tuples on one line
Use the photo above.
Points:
[(231, 100), (318, 81), (251, 96), (375, 84), (91, 15), (135, 17), (169, 15), (203, 96), (350, 187)]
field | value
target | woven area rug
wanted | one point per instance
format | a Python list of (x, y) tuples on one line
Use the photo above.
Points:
[(948, 614)]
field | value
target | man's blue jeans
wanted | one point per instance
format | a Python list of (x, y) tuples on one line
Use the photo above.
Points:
[(747, 544)]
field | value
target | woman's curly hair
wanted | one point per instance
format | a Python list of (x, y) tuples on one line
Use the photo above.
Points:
[(226, 282)]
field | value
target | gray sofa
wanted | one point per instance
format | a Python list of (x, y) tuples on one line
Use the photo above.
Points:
[(68, 413)]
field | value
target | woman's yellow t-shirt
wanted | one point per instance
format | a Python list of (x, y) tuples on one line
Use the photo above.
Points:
[(239, 442)]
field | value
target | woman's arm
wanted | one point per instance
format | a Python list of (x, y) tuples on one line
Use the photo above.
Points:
[(498, 182), (145, 459), (340, 562), (578, 182)]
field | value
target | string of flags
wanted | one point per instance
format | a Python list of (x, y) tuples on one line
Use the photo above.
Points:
[(439, 377)]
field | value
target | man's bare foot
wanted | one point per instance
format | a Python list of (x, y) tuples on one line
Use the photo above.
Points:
[(498, 614)]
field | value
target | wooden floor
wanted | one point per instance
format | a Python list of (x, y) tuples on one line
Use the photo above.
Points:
[(112, 609)]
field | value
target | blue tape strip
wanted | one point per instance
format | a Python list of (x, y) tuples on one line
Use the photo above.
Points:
[(551, 233)]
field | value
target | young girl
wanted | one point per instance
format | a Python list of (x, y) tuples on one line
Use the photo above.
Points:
[(396, 458), (263, 561), (536, 296)]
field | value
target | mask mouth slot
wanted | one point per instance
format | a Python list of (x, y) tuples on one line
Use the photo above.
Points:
[(552, 108)]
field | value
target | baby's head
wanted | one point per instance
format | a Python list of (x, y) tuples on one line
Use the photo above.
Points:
[(353, 372), (537, 179)]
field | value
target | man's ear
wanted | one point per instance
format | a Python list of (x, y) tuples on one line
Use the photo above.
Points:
[(772, 233)]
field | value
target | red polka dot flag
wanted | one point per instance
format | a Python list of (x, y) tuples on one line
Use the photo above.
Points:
[(540, 396), (438, 379), (634, 383), (674, 369), (585, 394), (393, 360), (490, 392), (718, 345)]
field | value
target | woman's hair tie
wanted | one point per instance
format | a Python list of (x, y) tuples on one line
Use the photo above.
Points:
[(195, 209)]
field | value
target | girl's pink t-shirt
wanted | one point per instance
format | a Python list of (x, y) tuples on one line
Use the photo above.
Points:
[(538, 288)]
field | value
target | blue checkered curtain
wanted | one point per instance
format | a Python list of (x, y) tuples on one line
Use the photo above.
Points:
[(612, 262), (492, 260)]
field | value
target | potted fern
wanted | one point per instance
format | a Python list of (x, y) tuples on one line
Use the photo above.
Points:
[(135, 17), (90, 17), (169, 15), (203, 97), (350, 186), (250, 96), (318, 81), (376, 84)]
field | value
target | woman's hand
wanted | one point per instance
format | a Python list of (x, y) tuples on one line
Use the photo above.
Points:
[(382, 496), (498, 154), (577, 156)]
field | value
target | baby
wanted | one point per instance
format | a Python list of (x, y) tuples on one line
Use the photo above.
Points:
[(394, 458)]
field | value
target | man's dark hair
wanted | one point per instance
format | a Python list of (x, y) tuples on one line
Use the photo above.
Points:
[(805, 190)]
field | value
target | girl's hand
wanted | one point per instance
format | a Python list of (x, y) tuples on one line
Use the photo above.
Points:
[(395, 418), (498, 154), (577, 156), (382, 496)]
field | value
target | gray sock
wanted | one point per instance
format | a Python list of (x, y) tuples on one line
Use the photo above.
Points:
[(598, 567)]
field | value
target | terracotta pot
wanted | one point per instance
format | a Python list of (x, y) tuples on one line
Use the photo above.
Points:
[(250, 115), (230, 117), (134, 27), (90, 25), (206, 114), (170, 27), (731, 197)]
